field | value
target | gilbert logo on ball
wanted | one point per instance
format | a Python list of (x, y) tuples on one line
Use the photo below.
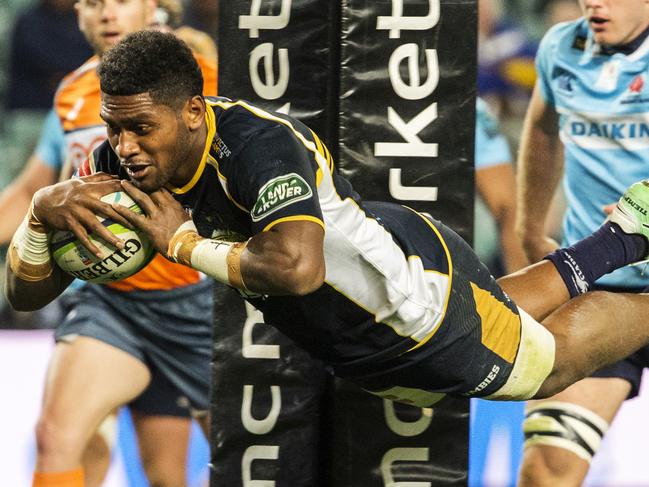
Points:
[(72, 257)]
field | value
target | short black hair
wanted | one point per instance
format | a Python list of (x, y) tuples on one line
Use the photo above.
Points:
[(151, 62)]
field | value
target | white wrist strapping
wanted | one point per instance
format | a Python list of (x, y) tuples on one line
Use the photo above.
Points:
[(216, 258), (29, 251)]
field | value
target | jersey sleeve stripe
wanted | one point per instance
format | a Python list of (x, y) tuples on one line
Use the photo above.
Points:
[(294, 218)]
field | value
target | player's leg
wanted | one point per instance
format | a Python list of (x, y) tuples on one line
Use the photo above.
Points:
[(163, 442), (97, 366), (162, 422), (203, 419), (594, 329), (624, 239), (563, 433), (176, 335), (96, 456), (86, 380)]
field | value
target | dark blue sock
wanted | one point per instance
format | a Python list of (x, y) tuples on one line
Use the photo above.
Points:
[(607, 249)]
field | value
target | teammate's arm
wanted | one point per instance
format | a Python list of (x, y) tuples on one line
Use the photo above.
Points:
[(15, 198), (41, 170), (497, 186), (540, 167)]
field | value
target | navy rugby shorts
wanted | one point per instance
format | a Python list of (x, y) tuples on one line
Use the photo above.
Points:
[(169, 331)]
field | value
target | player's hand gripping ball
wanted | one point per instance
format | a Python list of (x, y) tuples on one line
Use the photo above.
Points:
[(71, 256)]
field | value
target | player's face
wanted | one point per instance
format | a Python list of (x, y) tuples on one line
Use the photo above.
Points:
[(105, 22), (616, 22), (156, 144)]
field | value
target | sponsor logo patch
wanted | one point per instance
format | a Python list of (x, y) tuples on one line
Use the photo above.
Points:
[(279, 193)]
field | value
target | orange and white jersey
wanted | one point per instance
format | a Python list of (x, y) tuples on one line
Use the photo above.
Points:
[(77, 103)]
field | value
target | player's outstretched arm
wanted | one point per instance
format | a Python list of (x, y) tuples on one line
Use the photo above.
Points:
[(287, 259)]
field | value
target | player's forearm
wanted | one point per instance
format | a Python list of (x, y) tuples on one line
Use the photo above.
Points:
[(32, 278), (14, 203), (30, 296), (540, 167), (16, 198), (510, 244), (269, 263), (269, 268)]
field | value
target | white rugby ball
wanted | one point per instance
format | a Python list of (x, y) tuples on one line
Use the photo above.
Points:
[(72, 257)]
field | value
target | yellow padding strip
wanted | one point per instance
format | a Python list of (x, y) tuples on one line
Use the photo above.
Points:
[(501, 328), (294, 218)]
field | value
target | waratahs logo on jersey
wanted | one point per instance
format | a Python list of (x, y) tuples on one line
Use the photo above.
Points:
[(636, 84), (635, 91), (279, 193), (565, 80)]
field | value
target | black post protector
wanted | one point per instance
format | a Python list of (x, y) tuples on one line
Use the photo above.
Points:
[(377, 443), (407, 111), (267, 392), (407, 106), (405, 91), (266, 402)]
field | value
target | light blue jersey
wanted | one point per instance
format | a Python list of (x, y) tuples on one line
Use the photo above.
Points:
[(51, 144), (603, 103), (51, 150), (491, 147)]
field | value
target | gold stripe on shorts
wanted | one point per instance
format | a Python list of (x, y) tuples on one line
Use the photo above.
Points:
[(501, 328)]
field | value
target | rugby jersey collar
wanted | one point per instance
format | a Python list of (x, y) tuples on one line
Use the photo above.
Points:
[(633, 50), (211, 129)]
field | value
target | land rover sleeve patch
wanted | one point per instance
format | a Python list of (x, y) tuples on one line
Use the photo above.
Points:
[(278, 193)]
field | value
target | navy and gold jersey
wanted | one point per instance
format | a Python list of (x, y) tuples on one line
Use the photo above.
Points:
[(389, 271)]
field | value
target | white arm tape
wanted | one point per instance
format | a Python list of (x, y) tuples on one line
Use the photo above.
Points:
[(210, 256), (31, 246), (29, 252)]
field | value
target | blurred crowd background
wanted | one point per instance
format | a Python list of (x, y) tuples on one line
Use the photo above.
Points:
[(40, 43)]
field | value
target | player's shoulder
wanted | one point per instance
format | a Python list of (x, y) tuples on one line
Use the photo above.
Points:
[(81, 78), (565, 38), (242, 119), (206, 63), (102, 159)]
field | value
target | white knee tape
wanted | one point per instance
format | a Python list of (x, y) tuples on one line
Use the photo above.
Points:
[(107, 430), (564, 425)]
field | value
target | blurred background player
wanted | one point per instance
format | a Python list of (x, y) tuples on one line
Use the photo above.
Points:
[(497, 244), (496, 202), (169, 17), (94, 370), (505, 65), (36, 64), (588, 109)]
